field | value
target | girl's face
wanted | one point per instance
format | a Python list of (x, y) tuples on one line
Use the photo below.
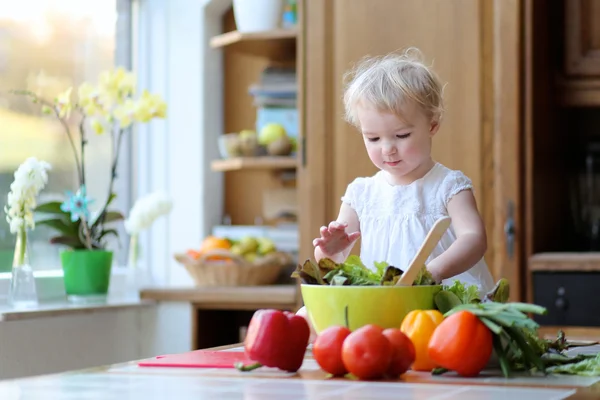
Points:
[(400, 147)]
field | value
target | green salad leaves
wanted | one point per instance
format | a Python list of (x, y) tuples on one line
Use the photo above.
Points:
[(354, 272)]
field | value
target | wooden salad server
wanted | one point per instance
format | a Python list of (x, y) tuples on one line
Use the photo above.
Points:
[(433, 237)]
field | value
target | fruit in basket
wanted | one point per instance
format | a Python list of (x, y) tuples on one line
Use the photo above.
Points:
[(193, 254), (265, 246), (249, 247), (248, 244), (236, 249), (209, 244), (270, 133), (213, 242)]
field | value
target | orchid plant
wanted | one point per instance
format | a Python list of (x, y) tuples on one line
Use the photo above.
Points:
[(142, 215), (108, 107), (30, 179)]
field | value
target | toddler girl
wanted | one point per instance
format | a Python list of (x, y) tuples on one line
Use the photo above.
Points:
[(395, 101)]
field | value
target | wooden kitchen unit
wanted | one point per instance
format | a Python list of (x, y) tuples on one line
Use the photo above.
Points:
[(226, 311), (523, 107)]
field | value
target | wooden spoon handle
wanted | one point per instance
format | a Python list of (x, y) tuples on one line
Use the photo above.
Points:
[(433, 237)]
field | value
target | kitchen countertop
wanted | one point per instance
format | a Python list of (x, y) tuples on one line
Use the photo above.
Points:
[(64, 307), (129, 381), (223, 297)]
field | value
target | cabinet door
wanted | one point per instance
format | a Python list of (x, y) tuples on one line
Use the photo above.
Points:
[(451, 35), (582, 34)]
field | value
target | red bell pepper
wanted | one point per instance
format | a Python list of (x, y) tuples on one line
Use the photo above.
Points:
[(276, 339)]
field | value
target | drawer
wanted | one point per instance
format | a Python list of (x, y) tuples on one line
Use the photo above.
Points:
[(572, 298)]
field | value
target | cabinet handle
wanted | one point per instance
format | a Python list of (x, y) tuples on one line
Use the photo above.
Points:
[(303, 150), (510, 230), (561, 304)]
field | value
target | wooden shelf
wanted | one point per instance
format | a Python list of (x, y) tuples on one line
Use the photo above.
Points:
[(263, 162), (579, 92), (582, 262), (233, 37), (228, 298)]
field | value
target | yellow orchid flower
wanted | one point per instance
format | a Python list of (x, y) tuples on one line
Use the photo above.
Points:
[(90, 100), (63, 103), (117, 84), (125, 113), (97, 126), (150, 106)]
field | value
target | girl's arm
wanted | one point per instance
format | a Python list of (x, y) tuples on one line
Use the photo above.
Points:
[(471, 240), (347, 216)]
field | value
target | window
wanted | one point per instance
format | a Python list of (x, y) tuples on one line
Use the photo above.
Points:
[(47, 46)]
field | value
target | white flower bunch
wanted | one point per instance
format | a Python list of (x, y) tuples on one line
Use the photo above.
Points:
[(146, 210), (30, 179)]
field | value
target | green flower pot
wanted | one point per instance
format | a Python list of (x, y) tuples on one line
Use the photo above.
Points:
[(86, 273)]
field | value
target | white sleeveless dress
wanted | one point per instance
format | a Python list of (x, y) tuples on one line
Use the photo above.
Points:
[(394, 219)]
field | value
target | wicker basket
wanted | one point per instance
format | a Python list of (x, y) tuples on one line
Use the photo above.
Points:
[(233, 270)]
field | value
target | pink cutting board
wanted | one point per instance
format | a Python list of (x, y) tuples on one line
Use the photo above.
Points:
[(199, 359)]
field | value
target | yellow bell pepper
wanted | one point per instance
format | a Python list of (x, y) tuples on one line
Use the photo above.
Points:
[(419, 325)]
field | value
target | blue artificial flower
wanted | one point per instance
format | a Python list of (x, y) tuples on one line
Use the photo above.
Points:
[(77, 204)]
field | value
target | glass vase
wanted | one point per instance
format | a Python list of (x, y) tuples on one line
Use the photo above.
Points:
[(22, 292), (138, 275)]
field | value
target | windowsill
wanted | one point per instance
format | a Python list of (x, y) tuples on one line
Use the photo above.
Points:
[(52, 298), (60, 308), (57, 273)]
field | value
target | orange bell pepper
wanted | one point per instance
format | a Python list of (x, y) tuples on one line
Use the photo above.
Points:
[(462, 343), (419, 325)]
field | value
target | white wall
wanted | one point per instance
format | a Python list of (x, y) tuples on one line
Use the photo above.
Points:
[(82, 340), (172, 57)]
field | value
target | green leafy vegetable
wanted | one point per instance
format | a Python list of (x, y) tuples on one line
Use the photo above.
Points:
[(466, 294), (354, 272), (516, 340), (424, 277), (588, 365)]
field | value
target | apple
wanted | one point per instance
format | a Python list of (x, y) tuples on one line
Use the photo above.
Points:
[(270, 133)]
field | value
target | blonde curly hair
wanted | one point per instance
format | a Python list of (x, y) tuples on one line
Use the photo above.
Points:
[(387, 82)]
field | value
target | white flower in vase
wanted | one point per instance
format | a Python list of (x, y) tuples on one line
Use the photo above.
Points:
[(142, 215), (30, 178), (146, 210)]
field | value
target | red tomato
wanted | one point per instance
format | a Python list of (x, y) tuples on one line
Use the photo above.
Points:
[(403, 352), (366, 352), (327, 349)]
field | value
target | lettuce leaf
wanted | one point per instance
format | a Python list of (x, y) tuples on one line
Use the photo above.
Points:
[(466, 294)]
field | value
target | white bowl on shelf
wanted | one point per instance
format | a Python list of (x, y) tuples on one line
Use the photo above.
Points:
[(229, 145), (257, 15)]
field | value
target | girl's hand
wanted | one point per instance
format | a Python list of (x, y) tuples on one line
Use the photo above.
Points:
[(334, 238)]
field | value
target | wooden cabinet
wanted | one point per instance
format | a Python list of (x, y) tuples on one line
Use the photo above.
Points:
[(522, 83), (581, 80), (559, 133), (582, 38), (480, 131)]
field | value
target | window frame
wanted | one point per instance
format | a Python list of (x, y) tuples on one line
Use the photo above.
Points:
[(49, 281)]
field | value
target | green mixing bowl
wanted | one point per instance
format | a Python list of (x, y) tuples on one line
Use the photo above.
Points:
[(385, 306)]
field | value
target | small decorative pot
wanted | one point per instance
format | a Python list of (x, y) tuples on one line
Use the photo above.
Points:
[(86, 273)]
